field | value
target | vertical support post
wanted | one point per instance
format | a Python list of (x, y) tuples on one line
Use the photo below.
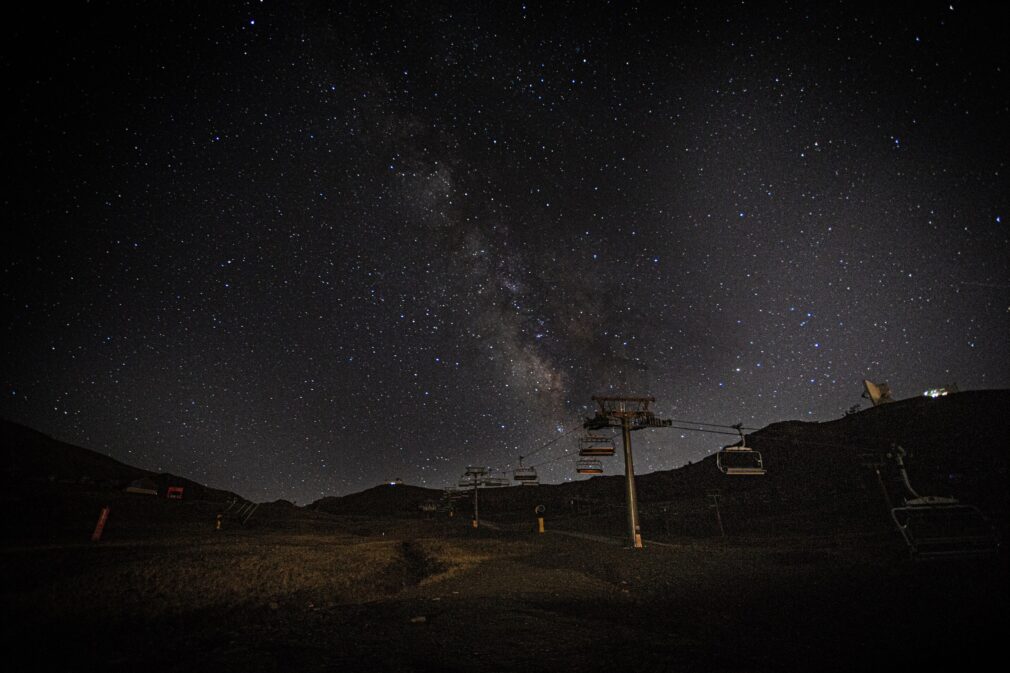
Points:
[(100, 526), (718, 515), (634, 531), (883, 489), (476, 515)]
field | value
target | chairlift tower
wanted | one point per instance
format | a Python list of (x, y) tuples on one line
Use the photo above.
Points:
[(474, 477), (628, 414)]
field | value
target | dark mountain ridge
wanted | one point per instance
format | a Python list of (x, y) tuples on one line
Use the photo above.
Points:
[(33, 458), (820, 475)]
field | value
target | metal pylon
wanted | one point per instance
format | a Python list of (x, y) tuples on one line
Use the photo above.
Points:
[(629, 414)]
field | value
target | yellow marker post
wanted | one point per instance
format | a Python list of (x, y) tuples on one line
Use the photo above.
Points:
[(540, 524)]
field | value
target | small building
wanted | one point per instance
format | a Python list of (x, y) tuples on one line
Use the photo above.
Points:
[(143, 486)]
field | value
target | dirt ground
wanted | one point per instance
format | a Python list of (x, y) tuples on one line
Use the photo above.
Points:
[(436, 595)]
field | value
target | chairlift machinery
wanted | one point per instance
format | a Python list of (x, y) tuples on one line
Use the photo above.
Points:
[(480, 477), (936, 527), (473, 477), (740, 459), (629, 413)]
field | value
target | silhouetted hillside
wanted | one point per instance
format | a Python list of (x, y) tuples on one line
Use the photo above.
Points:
[(58, 490), (380, 500), (32, 458), (817, 480)]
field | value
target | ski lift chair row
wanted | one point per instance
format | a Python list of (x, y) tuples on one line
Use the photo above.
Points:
[(740, 460), (935, 527), (588, 467), (596, 445), (527, 476)]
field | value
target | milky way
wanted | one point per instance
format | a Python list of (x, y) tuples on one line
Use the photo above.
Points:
[(296, 250)]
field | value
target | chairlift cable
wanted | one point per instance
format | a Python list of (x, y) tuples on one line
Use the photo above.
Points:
[(559, 437), (714, 432), (566, 454), (714, 425)]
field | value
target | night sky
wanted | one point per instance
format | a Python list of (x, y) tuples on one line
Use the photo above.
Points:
[(296, 250)]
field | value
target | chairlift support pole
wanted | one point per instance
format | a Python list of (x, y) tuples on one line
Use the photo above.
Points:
[(627, 413), (634, 529), (714, 497), (476, 513), (477, 475)]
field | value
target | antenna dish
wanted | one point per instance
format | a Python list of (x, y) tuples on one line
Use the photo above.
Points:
[(879, 393)]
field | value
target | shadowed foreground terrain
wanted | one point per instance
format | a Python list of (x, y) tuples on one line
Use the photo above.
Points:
[(810, 576), (435, 595)]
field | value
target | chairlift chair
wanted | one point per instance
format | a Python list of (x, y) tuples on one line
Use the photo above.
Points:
[(527, 476), (495, 482), (588, 467), (936, 527), (596, 445), (740, 460)]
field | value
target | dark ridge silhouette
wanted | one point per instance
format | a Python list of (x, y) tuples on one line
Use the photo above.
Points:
[(817, 477), (384, 499), (58, 490), (32, 458)]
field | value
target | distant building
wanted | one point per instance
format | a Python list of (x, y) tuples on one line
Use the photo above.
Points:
[(948, 389), (143, 486), (396, 482)]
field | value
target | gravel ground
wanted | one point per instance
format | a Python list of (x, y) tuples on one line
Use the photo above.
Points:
[(436, 595)]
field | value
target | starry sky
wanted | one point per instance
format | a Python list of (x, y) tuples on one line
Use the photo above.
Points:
[(299, 249)]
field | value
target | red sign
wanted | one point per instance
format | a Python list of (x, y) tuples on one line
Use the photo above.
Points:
[(174, 492)]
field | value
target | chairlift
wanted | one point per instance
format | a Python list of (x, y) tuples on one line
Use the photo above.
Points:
[(588, 467), (495, 482), (596, 445), (740, 460), (527, 476), (935, 527)]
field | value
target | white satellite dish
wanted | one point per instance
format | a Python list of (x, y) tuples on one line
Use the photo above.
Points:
[(879, 393)]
